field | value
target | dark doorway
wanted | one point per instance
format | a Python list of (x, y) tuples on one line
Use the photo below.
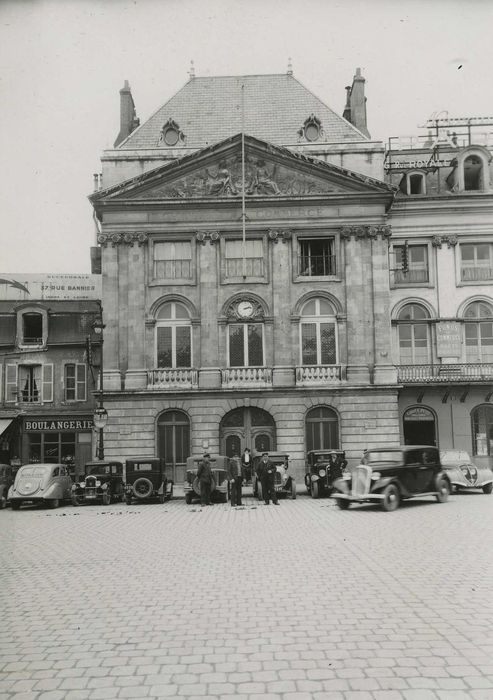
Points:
[(419, 426)]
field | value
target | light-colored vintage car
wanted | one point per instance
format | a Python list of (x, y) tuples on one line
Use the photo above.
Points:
[(220, 483), (40, 483), (463, 473)]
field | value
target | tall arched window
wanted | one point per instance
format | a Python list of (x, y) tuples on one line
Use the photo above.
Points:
[(414, 335), (482, 430), (173, 336), (473, 173), (318, 333), (478, 331), (322, 429)]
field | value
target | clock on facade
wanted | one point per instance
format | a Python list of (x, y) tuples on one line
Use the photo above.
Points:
[(245, 309)]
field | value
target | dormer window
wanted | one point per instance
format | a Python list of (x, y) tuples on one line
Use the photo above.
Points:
[(473, 173), (413, 183), (311, 129), (171, 134), (32, 329)]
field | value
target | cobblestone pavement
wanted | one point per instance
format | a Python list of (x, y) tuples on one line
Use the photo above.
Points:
[(293, 602)]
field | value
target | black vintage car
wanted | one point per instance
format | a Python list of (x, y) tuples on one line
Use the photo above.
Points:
[(7, 476), (284, 483), (220, 483), (322, 468), (103, 483), (387, 475), (145, 480)]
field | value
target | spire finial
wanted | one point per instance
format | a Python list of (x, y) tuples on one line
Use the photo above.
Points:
[(290, 66), (191, 72)]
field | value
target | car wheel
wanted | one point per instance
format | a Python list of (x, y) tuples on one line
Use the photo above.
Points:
[(391, 498), (142, 487), (15, 505), (487, 488), (315, 493), (443, 490), (342, 503), (188, 498), (106, 498), (53, 503), (293, 490), (259, 491)]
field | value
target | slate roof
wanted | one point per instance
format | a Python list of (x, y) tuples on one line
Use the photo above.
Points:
[(208, 110)]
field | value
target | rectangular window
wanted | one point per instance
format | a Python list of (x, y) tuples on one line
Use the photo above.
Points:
[(51, 448), (32, 329), (318, 344), (476, 262), (417, 265), (173, 260), (246, 345), (174, 346), (30, 383), (254, 258), (309, 343), (75, 382), (316, 257)]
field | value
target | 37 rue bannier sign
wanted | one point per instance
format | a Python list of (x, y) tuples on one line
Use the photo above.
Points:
[(58, 424)]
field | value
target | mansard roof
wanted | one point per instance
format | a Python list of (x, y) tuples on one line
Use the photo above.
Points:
[(216, 172), (209, 109)]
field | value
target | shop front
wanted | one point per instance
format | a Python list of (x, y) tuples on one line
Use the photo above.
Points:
[(57, 439)]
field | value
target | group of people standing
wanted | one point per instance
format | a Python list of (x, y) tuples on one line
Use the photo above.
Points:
[(237, 470)]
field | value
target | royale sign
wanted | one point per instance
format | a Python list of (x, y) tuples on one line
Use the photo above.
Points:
[(423, 163), (72, 424)]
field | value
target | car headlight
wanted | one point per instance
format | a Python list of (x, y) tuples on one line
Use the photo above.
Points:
[(375, 476), (346, 477), (98, 483), (321, 472), (82, 484)]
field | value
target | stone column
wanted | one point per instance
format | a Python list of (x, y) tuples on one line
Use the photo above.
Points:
[(136, 374), (384, 371), (358, 287), (209, 371), (282, 349), (110, 304)]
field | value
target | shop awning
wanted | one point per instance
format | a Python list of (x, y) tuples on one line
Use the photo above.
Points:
[(4, 424)]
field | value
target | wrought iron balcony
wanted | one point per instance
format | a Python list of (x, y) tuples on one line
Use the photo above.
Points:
[(172, 379), (317, 375), (429, 374), (246, 377), (316, 265)]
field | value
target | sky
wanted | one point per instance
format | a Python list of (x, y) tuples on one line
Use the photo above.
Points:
[(63, 62)]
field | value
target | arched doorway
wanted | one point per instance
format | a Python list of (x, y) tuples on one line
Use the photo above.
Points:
[(322, 429), (419, 426), (173, 443), (247, 427)]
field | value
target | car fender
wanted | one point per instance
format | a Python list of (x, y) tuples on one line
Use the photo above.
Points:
[(53, 491), (161, 489), (383, 482), (442, 475), (342, 485)]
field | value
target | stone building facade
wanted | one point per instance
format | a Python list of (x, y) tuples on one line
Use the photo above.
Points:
[(442, 307), (244, 242)]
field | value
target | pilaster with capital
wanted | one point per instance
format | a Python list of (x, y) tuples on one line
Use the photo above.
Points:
[(384, 370), (282, 349), (110, 304), (136, 374), (210, 373)]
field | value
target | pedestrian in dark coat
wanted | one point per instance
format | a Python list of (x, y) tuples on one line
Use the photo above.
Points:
[(235, 479), (246, 465), (204, 475), (267, 474)]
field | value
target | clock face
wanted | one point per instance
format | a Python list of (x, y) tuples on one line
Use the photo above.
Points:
[(245, 309)]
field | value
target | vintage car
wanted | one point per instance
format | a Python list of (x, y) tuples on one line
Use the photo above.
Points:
[(145, 480), (40, 483), (463, 473), (388, 475), (322, 468), (103, 483), (7, 476), (285, 485), (220, 483)]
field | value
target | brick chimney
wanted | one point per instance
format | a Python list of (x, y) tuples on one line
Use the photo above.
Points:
[(128, 118), (355, 109)]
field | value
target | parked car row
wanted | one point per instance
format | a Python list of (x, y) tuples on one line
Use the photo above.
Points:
[(385, 475)]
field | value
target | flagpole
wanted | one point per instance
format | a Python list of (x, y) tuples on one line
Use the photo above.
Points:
[(243, 212)]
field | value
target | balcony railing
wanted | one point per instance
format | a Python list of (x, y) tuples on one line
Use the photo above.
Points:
[(411, 276), (312, 375), (172, 379), (419, 374), (246, 377), (316, 265), (476, 274)]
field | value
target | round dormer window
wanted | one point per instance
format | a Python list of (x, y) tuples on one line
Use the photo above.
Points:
[(171, 136), (312, 132)]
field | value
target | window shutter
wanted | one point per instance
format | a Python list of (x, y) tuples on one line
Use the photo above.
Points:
[(11, 383), (81, 382), (47, 381)]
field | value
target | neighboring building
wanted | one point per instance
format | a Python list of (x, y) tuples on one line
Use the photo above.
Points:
[(47, 383), (442, 307), (253, 316)]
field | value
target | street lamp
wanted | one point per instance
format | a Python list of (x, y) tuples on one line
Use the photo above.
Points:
[(100, 417)]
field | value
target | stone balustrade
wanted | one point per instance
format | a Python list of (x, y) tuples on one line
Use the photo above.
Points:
[(172, 379), (311, 375), (246, 377)]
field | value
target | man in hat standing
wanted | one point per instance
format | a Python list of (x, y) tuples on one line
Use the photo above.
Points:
[(204, 475), (235, 479), (267, 474)]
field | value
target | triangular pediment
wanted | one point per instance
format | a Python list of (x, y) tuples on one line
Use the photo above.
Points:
[(218, 171)]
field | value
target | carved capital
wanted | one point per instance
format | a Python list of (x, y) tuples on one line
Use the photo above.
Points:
[(276, 235), (127, 238), (204, 236), (436, 241), (451, 241), (371, 232)]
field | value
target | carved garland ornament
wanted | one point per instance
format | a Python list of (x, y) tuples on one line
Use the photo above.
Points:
[(126, 238), (371, 232)]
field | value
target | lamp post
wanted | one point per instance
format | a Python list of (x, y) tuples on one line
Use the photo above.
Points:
[(100, 417)]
